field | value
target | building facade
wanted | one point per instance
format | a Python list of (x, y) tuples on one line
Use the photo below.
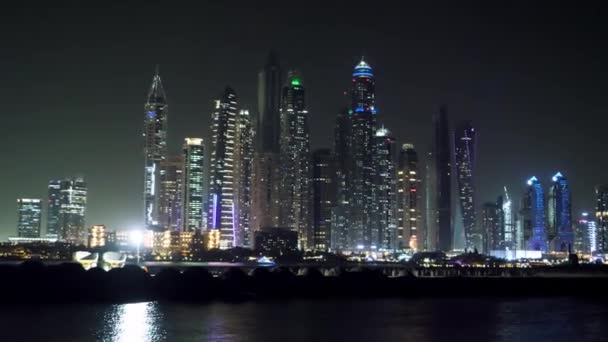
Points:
[(586, 234), (29, 211), (490, 222), (243, 168), (409, 200), (171, 193), (384, 200), (193, 182), (464, 157), (53, 206), (296, 171), (442, 163), (324, 197), (73, 205), (533, 217), (341, 209), (601, 214), (559, 215), (98, 236), (155, 148), (221, 189)]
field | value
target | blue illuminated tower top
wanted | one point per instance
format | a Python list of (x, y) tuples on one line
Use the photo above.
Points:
[(363, 93)]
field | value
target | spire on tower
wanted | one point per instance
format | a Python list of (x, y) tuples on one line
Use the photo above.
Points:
[(157, 92)]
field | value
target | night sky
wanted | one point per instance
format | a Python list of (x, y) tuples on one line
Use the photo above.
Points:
[(74, 81)]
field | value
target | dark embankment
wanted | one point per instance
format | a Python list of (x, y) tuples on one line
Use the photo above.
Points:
[(65, 283)]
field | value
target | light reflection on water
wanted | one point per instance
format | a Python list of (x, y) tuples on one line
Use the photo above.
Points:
[(133, 322)]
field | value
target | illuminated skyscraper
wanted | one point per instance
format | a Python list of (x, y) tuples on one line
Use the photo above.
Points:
[(171, 193), (442, 165), (409, 201), (464, 155), (559, 215), (490, 222), (533, 217), (431, 241), (155, 148), (360, 172), (507, 221), (29, 217), (73, 204), (601, 213), (586, 234), (98, 236), (340, 212), (193, 156), (243, 167), (296, 171), (221, 190), (53, 206), (384, 200), (324, 196), (266, 162)]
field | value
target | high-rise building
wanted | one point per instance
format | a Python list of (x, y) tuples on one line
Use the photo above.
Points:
[(155, 148), (53, 206), (295, 162), (29, 212), (98, 236), (324, 197), (559, 215), (193, 182), (221, 189), (243, 167), (266, 162), (384, 200), (360, 172), (490, 222), (431, 241), (409, 200), (507, 221), (341, 209), (601, 214), (586, 234), (533, 217), (442, 164), (73, 204), (464, 156), (171, 193)]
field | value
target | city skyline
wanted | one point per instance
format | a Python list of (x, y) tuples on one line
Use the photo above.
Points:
[(121, 196)]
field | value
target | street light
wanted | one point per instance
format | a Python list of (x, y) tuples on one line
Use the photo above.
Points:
[(137, 236)]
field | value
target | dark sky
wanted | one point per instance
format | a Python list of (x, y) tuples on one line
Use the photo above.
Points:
[(74, 81)]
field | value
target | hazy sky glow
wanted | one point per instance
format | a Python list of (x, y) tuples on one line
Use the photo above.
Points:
[(74, 82)]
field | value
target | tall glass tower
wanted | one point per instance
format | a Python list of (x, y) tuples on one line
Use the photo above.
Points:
[(53, 206), (533, 217), (155, 148), (442, 183), (243, 167), (409, 200), (193, 156), (73, 204), (29, 213), (221, 189), (601, 213), (559, 212), (384, 230), (464, 155), (171, 193), (324, 194), (340, 212), (295, 161)]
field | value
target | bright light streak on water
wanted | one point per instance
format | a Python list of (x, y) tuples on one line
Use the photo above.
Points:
[(134, 322)]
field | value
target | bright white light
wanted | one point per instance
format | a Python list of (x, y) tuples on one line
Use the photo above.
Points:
[(136, 236)]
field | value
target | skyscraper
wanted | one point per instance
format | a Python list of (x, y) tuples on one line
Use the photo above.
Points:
[(53, 206), (221, 190), (601, 213), (507, 221), (295, 161), (384, 200), (155, 148), (559, 212), (73, 204), (586, 234), (266, 162), (193, 156), (533, 217), (324, 196), (243, 167), (490, 222), (340, 212), (409, 200), (29, 213), (464, 156), (171, 193), (443, 172), (431, 241), (360, 172)]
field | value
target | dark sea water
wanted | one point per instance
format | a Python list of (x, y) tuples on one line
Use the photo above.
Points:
[(299, 320)]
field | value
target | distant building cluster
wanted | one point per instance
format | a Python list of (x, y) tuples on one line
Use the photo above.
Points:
[(255, 181)]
